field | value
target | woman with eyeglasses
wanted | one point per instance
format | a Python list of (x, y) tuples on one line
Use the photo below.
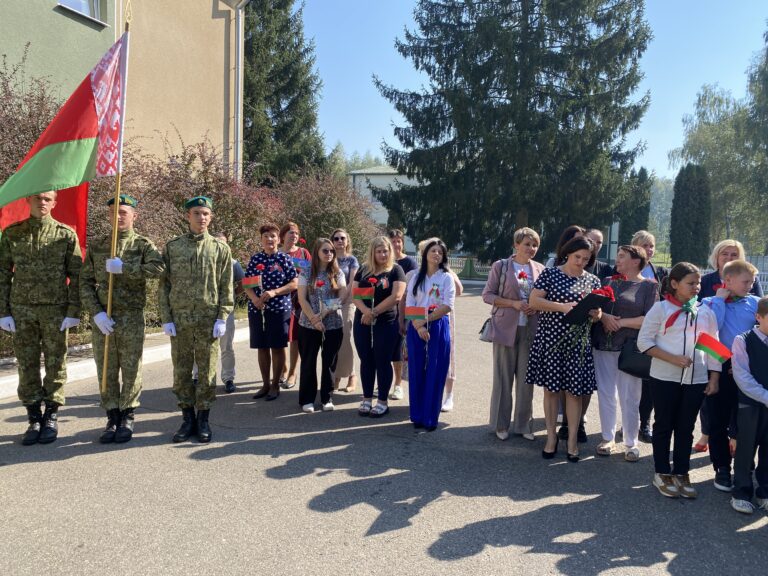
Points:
[(377, 288), (320, 325), (348, 264), (290, 241)]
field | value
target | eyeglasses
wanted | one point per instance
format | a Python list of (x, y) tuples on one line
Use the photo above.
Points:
[(328, 251), (338, 238)]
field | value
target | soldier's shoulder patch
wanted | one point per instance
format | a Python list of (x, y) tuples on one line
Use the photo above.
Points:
[(65, 227), (15, 226)]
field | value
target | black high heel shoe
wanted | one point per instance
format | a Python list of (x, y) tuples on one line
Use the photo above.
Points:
[(549, 455), (573, 457)]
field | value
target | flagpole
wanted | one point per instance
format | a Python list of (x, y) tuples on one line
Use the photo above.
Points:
[(116, 206)]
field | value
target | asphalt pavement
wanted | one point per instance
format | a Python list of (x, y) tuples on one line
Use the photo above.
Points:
[(281, 492)]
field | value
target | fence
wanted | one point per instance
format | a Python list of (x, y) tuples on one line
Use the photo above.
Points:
[(473, 269)]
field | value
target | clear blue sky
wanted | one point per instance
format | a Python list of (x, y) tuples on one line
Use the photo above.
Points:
[(695, 42)]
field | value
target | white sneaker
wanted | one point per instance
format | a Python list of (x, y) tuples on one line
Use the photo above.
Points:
[(397, 393), (743, 506), (448, 404), (502, 435), (529, 436), (328, 406), (308, 408)]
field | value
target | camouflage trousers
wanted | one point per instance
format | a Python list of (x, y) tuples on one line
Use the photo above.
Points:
[(126, 345), (37, 330), (194, 343)]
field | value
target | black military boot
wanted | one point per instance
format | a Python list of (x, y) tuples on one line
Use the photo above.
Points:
[(35, 416), (50, 430), (125, 429), (113, 419), (203, 429), (188, 427)]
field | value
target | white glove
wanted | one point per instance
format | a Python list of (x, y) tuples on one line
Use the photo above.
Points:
[(69, 323), (114, 266), (105, 323), (7, 324), (219, 328), (169, 329)]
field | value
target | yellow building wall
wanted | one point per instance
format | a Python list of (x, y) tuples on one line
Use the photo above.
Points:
[(181, 73)]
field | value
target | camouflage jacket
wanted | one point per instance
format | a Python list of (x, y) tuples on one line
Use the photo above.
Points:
[(197, 281), (141, 260), (37, 257)]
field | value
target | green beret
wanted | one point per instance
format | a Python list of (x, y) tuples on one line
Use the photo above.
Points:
[(203, 201), (125, 200)]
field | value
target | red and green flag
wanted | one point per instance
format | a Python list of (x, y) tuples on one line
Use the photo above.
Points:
[(84, 141), (363, 293), (252, 282), (713, 347), (415, 313)]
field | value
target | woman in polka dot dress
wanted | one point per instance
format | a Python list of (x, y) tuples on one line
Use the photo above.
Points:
[(556, 292)]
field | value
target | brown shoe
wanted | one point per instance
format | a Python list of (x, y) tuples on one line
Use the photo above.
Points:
[(665, 483), (683, 483)]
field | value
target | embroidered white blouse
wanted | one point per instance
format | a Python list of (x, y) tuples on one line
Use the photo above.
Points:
[(438, 289)]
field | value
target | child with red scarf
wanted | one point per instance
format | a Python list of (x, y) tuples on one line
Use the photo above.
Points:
[(681, 374)]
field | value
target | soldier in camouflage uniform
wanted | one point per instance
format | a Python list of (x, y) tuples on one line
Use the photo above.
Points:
[(37, 257), (195, 301), (136, 260)]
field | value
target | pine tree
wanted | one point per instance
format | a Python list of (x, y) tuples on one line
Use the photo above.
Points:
[(280, 91), (523, 120), (691, 216), (634, 213)]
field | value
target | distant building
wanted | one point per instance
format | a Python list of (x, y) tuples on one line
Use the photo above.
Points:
[(365, 179), (182, 64)]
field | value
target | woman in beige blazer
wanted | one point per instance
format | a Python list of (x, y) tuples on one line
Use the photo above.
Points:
[(513, 326)]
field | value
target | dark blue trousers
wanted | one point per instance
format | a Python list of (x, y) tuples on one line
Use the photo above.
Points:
[(721, 412), (753, 432), (428, 364), (376, 357)]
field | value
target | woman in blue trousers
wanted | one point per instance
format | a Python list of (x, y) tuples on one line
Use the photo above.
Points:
[(429, 299)]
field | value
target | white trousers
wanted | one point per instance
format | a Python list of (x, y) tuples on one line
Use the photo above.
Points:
[(612, 383)]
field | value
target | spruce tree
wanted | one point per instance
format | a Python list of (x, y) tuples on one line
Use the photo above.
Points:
[(281, 86), (635, 211), (691, 216), (522, 121)]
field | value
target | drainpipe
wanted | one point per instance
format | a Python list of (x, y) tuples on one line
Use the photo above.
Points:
[(237, 163)]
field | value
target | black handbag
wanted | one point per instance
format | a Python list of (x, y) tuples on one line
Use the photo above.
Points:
[(634, 362)]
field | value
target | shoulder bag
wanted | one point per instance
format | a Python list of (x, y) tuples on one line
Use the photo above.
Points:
[(634, 362)]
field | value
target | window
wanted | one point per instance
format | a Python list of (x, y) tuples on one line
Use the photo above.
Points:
[(91, 9)]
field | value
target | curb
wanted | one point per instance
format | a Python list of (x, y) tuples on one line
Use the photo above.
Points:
[(85, 368)]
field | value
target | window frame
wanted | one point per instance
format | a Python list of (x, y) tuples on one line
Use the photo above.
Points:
[(96, 7)]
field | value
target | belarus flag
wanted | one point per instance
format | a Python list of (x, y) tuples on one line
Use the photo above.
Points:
[(84, 140)]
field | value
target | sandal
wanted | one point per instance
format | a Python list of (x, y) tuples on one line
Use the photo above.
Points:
[(365, 408), (632, 454), (605, 449), (379, 410)]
